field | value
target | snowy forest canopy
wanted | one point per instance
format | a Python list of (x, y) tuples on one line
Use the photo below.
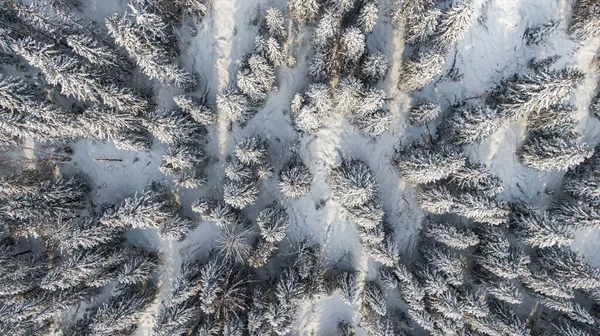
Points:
[(300, 167)]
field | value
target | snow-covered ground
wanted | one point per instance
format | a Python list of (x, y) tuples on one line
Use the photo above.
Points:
[(491, 50)]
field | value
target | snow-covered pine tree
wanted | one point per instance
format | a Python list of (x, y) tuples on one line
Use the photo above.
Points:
[(423, 112), (539, 230), (419, 18), (470, 124), (476, 177), (76, 77), (496, 255), (97, 53), (540, 281), (142, 210), (295, 179), (436, 199), (252, 150), (557, 119), (174, 126), (325, 63), (238, 172), (242, 193), (350, 93), (452, 235), (262, 251), (255, 78), (583, 182), (568, 267), (373, 297), (234, 241), (209, 283), (353, 46), (328, 58), (440, 257), (520, 95), (353, 183), (595, 104), (218, 211), (386, 251), (32, 212), (421, 68), (565, 327), (120, 313), (196, 108), (19, 183), (371, 236), (309, 267), (82, 267), (433, 281), (275, 23), (481, 209), (17, 93), (82, 233), (289, 288), (344, 329), (346, 284), (271, 49), (184, 162), (234, 105), (99, 122), (133, 141), (553, 152), (148, 40), (373, 124), (540, 33), (310, 109), (453, 24), (503, 290), (374, 68), (176, 228), (279, 318), (303, 10), (367, 16), (136, 267), (151, 207), (139, 268), (368, 215), (419, 164), (584, 20), (191, 8), (17, 125), (176, 319), (21, 271), (265, 171), (273, 221), (576, 214)]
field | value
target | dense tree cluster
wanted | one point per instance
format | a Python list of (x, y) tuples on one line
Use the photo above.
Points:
[(245, 170), (81, 63), (256, 72), (55, 257), (184, 159), (451, 184), (432, 31), (147, 37), (70, 266), (584, 20), (312, 108), (445, 297), (340, 52), (355, 188)]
